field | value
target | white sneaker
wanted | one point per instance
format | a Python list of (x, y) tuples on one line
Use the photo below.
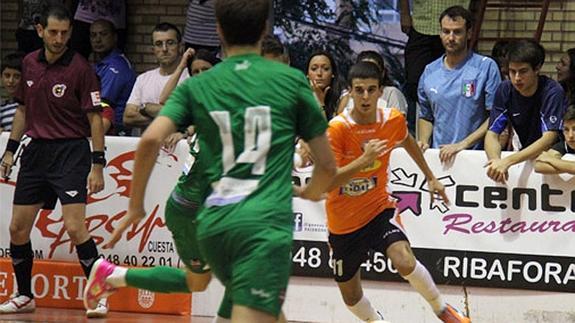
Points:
[(18, 304), (100, 311)]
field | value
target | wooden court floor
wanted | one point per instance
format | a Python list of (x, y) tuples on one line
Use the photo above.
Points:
[(53, 315)]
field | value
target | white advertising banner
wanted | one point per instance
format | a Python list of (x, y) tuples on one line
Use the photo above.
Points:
[(147, 244), (517, 235)]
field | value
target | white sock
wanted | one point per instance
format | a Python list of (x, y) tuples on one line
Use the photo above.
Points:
[(118, 277), (420, 279), (219, 319), (364, 311)]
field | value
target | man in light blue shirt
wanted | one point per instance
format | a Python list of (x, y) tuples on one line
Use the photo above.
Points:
[(456, 91)]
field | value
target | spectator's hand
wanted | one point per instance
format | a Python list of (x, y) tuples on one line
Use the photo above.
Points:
[(305, 153), (320, 93), (497, 170), (187, 55), (406, 23), (172, 140), (96, 179), (373, 149), (447, 152), (134, 216), (423, 146), (435, 187)]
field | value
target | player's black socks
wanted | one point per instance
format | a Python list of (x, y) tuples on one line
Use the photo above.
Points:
[(22, 261), (87, 254)]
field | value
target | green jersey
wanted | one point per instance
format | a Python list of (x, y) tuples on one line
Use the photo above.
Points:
[(192, 186), (247, 111)]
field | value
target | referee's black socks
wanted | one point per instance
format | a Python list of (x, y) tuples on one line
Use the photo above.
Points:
[(88, 254), (22, 261)]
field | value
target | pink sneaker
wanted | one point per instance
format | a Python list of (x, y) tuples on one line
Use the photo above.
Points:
[(97, 287), (452, 315)]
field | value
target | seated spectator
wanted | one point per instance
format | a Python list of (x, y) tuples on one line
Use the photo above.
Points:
[(272, 48), (89, 11), (550, 162), (566, 74), (11, 69), (200, 30), (144, 102), (324, 79), (115, 73), (456, 91), (499, 54), (391, 96), (532, 104)]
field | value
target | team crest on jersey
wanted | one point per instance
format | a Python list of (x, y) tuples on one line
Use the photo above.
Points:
[(469, 88), (358, 186), (58, 90)]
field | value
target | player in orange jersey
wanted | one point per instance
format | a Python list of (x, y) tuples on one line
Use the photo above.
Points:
[(360, 210)]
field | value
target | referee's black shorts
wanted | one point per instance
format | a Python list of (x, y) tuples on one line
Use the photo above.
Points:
[(51, 170)]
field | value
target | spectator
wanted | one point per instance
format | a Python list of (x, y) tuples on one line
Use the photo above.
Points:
[(323, 76), (550, 161), (391, 96), (499, 54), (200, 30), (272, 48), (11, 69), (89, 11), (532, 104), (566, 74), (201, 61), (115, 72), (423, 44), (144, 102), (456, 91)]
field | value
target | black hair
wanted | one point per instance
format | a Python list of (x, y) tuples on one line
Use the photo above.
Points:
[(12, 60), (458, 11), (527, 51), (242, 22), (364, 70), (166, 26), (58, 11)]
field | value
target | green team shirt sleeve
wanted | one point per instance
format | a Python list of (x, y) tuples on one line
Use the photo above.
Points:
[(311, 121), (178, 107)]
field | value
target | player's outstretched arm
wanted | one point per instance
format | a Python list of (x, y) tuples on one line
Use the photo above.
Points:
[(323, 171), (434, 186), (146, 153)]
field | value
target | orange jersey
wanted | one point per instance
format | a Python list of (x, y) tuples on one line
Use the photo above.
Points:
[(351, 206)]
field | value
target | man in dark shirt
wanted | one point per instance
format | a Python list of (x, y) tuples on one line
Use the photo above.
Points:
[(551, 161), (532, 105), (59, 108)]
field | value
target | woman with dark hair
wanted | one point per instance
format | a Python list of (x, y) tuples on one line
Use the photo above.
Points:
[(321, 70), (566, 74), (202, 61), (391, 96)]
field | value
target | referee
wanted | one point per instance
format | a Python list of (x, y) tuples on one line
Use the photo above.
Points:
[(59, 108)]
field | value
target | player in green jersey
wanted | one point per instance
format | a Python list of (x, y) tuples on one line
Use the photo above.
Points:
[(247, 111)]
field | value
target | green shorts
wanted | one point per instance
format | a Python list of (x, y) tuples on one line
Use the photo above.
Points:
[(254, 263), (181, 221)]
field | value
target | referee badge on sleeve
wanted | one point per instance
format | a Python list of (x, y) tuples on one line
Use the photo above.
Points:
[(469, 88), (95, 98)]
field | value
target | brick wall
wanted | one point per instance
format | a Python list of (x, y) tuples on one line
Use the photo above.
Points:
[(558, 35)]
